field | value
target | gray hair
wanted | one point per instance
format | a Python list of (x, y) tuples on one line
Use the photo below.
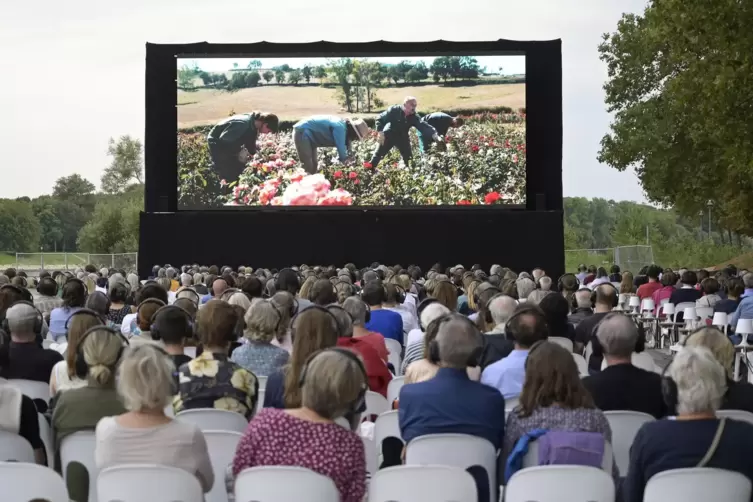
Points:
[(432, 312), (133, 280), (748, 280), (21, 319), (186, 279), (357, 309), (583, 299), (145, 378), (98, 302), (240, 298), (263, 321), (701, 380), (409, 99), (170, 272), (545, 283), (525, 287), (537, 274), (343, 319), (495, 270), (198, 278), (271, 290), (333, 382), (617, 334), (536, 296), (115, 279), (501, 308), (457, 340)]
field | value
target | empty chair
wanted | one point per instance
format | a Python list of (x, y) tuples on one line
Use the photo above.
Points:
[(140, 482), (284, 484), (393, 389), (697, 485), (210, 419), (221, 446), (625, 426), (580, 361), (560, 483), (562, 342), (15, 448), (371, 454), (79, 447), (35, 390), (420, 483), (24, 482), (459, 450), (741, 415), (376, 404)]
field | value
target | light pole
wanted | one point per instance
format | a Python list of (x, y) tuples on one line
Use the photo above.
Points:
[(709, 204), (700, 219)]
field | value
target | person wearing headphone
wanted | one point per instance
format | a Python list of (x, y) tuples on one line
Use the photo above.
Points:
[(332, 385), (27, 359), (583, 307), (360, 313), (694, 384), (525, 327), (64, 375), (47, 298), (74, 297), (172, 326), (604, 299), (264, 321), (386, 322)]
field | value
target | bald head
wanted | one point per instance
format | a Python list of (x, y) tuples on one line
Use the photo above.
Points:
[(606, 296), (583, 298), (218, 287), (501, 309), (457, 339), (21, 319)]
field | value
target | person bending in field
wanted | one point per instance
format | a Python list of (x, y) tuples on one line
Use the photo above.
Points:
[(393, 125), (326, 131), (439, 123), (233, 141)]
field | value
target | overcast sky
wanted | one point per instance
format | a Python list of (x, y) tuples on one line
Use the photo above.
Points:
[(74, 71)]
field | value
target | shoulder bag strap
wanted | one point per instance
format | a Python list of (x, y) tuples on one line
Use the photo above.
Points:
[(714, 444)]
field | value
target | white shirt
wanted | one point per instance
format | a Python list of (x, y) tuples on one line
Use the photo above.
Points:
[(598, 282), (414, 336), (410, 321), (125, 326)]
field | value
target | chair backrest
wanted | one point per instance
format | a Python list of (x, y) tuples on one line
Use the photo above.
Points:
[(531, 458), (35, 390), (386, 425), (581, 363), (393, 389), (511, 403), (741, 415), (394, 351), (370, 453), (642, 360), (284, 484), (704, 313), (376, 404), (139, 482), (27, 481), (697, 484), (393, 346), (210, 419), (458, 450), (260, 400), (625, 426), (14, 447), (680, 309), (420, 483), (221, 446), (562, 342), (262, 382), (45, 434), (560, 483), (190, 352), (588, 351), (79, 447)]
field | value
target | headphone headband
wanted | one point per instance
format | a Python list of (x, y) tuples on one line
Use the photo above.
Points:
[(155, 301), (83, 311), (321, 309), (357, 406)]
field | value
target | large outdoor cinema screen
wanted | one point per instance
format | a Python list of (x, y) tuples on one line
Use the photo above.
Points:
[(352, 131)]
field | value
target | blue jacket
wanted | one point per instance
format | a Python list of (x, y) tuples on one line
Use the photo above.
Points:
[(326, 131), (744, 311), (514, 462)]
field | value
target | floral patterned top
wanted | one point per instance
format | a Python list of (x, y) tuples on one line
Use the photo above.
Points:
[(211, 380), (262, 359)]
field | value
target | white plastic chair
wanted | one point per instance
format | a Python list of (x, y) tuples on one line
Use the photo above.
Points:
[(32, 389), (741, 415), (221, 446), (210, 419), (190, 352), (14, 447), (511, 403), (79, 447), (562, 342), (704, 313), (157, 483), (560, 483), (531, 458), (680, 309), (284, 484), (588, 352), (371, 454), (394, 351), (386, 425), (625, 425), (420, 483), (376, 404), (23, 482), (393, 346), (642, 360), (259, 401), (45, 434), (393, 389), (458, 450), (581, 363), (697, 484)]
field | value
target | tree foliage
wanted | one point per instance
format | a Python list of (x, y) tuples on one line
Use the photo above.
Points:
[(114, 225), (19, 228), (681, 89), (76, 189), (125, 167)]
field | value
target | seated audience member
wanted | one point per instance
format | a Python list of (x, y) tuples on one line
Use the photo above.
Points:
[(144, 315), (386, 322), (129, 326), (627, 286), (99, 303), (74, 297), (446, 293), (211, 380), (545, 283), (393, 295), (64, 375), (568, 286), (604, 301), (264, 321), (189, 306), (483, 318), (288, 307), (289, 280), (26, 358), (735, 289), (556, 311), (118, 309), (710, 290), (307, 436), (526, 327), (590, 275), (322, 293), (668, 281), (172, 326), (652, 286), (144, 435), (496, 345), (696, 438), (378, 374), (359, 313), (739, 395), (745, 308), (583, 307), (601, 278), (536, 296), (429, 310), (253, 287), (313, 329), (622, 386), (553, 399), (687, 292), (614, 274), (525, 287), (47, 299)]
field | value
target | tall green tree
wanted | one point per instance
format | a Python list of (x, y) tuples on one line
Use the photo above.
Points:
[(76, 189), (126, 165), (307, 72), (680, 86), (114, 225), (19, 228)]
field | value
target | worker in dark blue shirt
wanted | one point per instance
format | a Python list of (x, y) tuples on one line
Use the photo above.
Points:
[(393, 125), (440, 123)]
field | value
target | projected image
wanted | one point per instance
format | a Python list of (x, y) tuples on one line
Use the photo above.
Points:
[(393, 131)]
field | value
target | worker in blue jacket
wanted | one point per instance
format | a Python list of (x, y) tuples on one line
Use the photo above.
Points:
[(326, 131), (393, 125)]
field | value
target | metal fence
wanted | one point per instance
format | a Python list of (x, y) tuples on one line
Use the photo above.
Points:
[(631, 258), (36, 262)]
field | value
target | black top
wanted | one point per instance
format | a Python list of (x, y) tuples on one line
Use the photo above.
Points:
[(586, 332), (179, 360), (684, 295), (29, 361), (727, 306), (440, 121), (577, 317), (675, 444), (626, 387), (29, 429), (496, 347), (739, 396)]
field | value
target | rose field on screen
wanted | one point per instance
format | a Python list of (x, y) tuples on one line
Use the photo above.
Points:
[(483, 162)]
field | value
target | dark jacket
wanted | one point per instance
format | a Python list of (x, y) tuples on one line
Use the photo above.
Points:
[(394, 120), (235, 132), (496, 347), (441, 122)]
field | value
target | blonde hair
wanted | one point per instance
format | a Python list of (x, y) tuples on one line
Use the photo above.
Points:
[(240, 299), (263, 322), (332, 384), (78, 324), (145, 378), (719, 345), (101, 349), (701, 380), (306, 287)]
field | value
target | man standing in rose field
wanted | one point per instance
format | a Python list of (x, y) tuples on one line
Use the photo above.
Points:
[(393, 125)]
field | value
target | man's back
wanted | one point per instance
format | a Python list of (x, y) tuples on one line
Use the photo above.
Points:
[(388, 323), (626, 387), (29, 361), (452, 403), (507, 375)]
